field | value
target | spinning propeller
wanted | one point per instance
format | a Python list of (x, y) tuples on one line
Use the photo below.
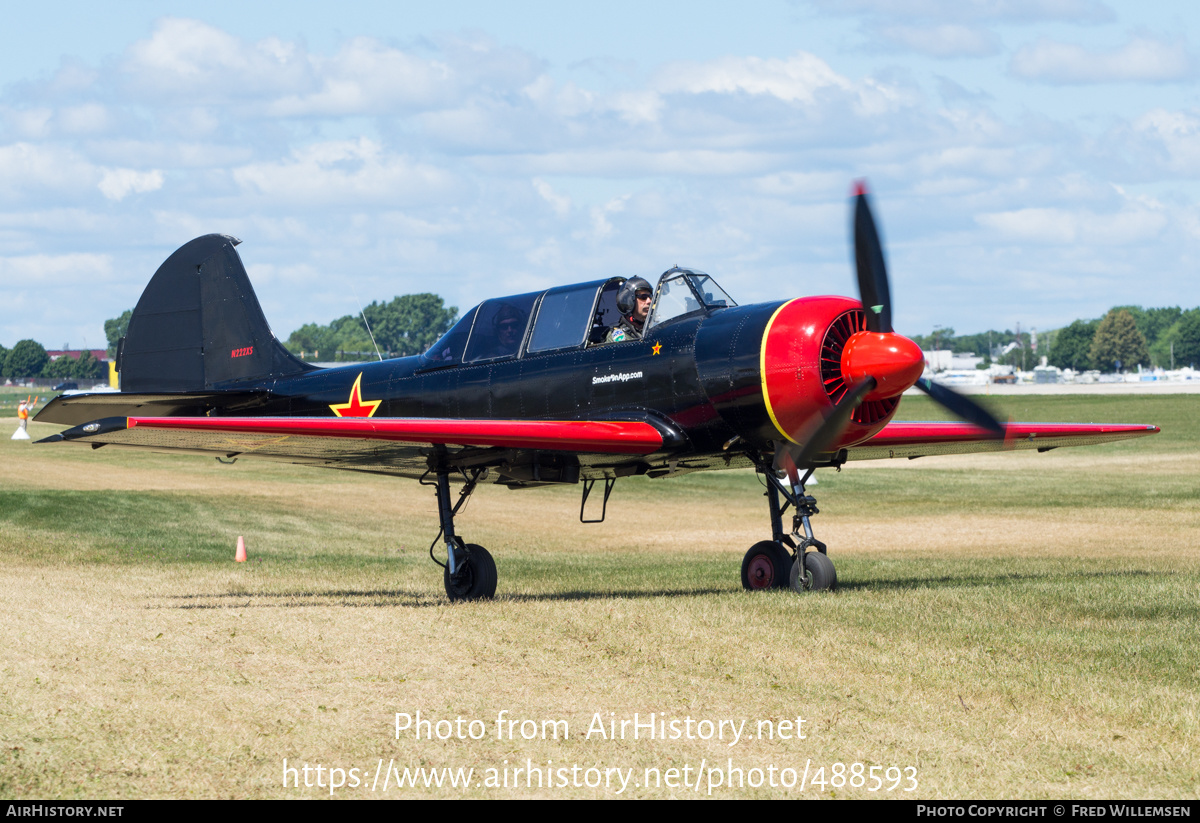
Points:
[(877, 363)]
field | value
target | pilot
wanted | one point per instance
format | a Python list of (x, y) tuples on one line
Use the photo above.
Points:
[(633, 301), (509, 325)]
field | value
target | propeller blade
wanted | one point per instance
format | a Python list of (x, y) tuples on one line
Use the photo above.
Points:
[(872, 271), (961, 406), (821, 433), (784, 462)]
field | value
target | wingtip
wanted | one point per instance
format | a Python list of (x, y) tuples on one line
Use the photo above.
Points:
[(860, 187)]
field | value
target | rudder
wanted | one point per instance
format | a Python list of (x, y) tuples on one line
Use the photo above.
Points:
[(199, 326)]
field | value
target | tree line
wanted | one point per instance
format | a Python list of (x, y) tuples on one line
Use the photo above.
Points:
[(28, 358), (403, 326), (1129, 335)]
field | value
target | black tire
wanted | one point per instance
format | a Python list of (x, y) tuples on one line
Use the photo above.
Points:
[(766, 566), (475, 578), (818, 575)]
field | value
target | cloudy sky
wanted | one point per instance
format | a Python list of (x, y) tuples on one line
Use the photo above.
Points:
[(1033, 161)]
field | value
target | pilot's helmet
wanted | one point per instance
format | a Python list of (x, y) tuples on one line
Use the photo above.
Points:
[(627, 296)]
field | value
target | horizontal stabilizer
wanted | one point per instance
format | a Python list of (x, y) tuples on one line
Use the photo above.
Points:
[(77, 409)]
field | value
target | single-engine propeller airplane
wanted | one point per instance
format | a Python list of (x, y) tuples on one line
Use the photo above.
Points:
[(544, 388)]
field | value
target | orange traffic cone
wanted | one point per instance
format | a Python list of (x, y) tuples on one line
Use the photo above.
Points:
[(240, 557)]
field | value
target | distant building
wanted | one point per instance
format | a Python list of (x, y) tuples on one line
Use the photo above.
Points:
[(946, 360), (75, 354)]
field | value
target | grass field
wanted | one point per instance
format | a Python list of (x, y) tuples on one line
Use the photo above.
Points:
[(1007, 626)]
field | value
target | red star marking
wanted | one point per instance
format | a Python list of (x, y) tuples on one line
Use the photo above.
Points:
[(658, 348), (356, 407)]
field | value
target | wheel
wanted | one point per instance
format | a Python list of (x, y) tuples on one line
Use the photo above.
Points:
[(476, 575), (765, 566), (819, 574)]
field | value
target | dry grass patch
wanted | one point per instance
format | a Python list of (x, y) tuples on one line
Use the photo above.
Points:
[(1006, 631)]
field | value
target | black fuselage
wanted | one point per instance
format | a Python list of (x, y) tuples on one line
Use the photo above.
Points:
[(703, 382)]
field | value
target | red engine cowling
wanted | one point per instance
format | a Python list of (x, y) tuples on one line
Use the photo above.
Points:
[(805, 373)]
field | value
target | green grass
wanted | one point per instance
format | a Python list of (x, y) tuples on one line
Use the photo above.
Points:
[(1013, 626)]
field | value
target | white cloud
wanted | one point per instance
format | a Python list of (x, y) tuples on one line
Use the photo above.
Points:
[(348, 171), (461, 165), (194, 61), (1142, 59), (604, 162), (117, 184), (801, 186), (944, 41), (30, 123), (367, 77), (1002, 162), (43, 169), (56, 269), (642, 106), (1139, 220), (568, 99), (1177, 134), (602, 229), (89, 118), (802, 79), (1012, 11), (191, 62), (797, 79), (41, 122), (559, 202), (163, 152), (548, 255)]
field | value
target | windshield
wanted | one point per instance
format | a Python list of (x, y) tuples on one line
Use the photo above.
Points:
[(674, 299), (448, 350), (683, 291), (713, 295)]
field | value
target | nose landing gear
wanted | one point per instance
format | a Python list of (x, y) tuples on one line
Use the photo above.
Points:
[(764, 565)]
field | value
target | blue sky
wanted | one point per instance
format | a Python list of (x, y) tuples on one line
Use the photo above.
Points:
[(1033, 161)]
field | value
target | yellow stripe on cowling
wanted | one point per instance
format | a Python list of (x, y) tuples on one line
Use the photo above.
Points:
[(762, 371)]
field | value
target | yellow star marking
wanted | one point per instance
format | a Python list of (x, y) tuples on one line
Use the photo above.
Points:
[(658, 348), (355, 407)]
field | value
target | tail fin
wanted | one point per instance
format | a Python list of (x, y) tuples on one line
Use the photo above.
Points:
[(198, 326)]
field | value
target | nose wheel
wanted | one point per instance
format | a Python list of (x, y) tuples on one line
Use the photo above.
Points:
[(766, 566), (814, 574)]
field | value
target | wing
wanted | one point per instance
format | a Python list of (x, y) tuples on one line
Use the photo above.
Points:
[(912, 439), (401, 446)]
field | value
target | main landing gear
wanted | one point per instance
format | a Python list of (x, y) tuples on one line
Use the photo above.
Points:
[(469, 570), (785, 560)]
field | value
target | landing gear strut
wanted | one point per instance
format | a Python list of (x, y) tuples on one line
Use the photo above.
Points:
[(469, 570), (764, 565)]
